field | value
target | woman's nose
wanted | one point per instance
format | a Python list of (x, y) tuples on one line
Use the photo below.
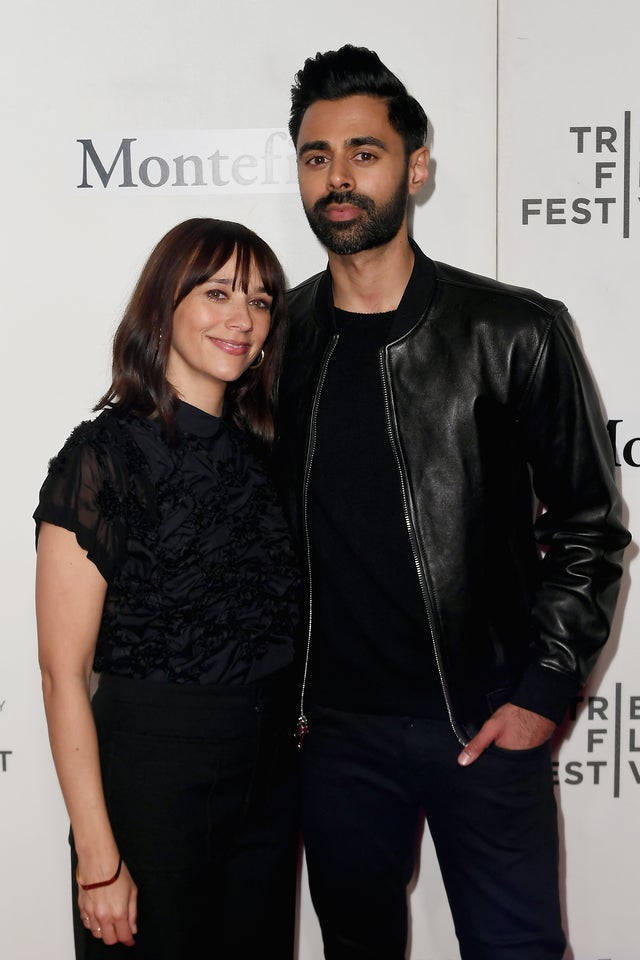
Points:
[(239, 317)]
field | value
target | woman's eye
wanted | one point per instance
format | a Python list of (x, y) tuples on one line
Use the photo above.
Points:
[(261, 304), (216, 294)]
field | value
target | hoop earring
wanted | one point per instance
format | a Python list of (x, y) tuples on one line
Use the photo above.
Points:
[(258, 361)]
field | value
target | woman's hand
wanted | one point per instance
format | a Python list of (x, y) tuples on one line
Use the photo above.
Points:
[(110, 912)]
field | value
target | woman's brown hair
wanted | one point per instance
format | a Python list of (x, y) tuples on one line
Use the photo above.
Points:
[(187, 256)]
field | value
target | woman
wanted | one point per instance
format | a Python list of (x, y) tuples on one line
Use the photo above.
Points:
[(164, 566)]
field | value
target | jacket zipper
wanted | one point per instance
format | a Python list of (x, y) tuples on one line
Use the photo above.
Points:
[(303, 724), (414, 549)]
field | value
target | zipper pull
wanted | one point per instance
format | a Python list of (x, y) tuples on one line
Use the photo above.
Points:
[(302, 730)]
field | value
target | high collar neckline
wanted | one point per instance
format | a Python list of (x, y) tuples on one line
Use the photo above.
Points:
[(195, 421)]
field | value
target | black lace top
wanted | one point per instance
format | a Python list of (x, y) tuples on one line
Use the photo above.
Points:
[(191, 541)]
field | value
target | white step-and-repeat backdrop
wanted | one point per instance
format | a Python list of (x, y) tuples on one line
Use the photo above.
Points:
[(119, 120)]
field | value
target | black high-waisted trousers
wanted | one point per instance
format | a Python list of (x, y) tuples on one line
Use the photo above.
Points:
[(201, 791)]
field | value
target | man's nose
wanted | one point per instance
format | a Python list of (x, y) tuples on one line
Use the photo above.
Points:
[(339, 176)]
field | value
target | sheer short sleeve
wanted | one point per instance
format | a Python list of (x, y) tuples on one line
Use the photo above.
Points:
[(84, 492)]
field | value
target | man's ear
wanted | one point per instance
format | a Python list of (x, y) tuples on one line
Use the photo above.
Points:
[(418, 169)]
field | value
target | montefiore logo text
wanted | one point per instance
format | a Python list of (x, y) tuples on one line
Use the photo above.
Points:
[(195, 162)]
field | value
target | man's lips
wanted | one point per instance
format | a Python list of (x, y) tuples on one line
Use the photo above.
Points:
[(341, 212)]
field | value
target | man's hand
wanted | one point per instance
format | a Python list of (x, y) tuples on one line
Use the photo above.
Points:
[(510, 727)]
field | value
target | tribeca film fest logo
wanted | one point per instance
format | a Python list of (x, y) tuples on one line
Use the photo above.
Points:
[(609, 176), (193, 161), (4, 754), (610, 756)]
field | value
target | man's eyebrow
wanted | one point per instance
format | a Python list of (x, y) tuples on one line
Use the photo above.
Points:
[(365, 142), (313, 145), (351, 142)]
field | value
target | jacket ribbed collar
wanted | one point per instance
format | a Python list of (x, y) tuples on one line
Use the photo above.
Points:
[(415, 301)]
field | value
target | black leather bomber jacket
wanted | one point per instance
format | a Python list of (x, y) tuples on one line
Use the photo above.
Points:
[(490, 409)]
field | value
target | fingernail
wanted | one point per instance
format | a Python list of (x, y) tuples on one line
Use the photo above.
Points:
[(464, 759)]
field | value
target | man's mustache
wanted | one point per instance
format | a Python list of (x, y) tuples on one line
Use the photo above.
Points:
[(346, 197)]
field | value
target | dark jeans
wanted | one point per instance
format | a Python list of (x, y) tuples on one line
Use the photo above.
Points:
[(201, 791), (365, 781)]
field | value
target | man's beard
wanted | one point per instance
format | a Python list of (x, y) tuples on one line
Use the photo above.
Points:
[(378, 226)]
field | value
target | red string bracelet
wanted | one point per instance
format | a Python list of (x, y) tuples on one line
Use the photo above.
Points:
[(100, 883)]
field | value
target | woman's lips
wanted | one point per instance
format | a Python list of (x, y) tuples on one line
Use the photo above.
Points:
[(231, 346)]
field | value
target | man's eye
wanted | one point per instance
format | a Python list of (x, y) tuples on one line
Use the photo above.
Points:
[(316, 161)]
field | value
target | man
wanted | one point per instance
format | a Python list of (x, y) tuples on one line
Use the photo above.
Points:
[(421, 406)]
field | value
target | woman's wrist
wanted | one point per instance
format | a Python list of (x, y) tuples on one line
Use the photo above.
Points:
[(97, 857), (94, 884)]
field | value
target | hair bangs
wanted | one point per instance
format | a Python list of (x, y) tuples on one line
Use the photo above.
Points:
[(223, 242)]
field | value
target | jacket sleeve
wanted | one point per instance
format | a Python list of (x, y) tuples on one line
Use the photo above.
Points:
[(580, 532)]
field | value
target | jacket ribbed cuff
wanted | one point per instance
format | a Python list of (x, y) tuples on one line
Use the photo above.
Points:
[(545, 691)]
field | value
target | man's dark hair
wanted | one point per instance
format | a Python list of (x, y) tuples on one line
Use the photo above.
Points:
[(356, 70)]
